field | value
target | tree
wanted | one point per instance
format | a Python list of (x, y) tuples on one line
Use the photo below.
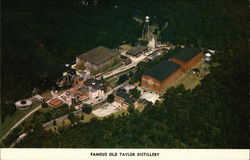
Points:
[(136, 76), (71, 117), (87, 109), (111, 98), (135, 93), (143, 42), (40, 118), (45, 105), (54, 123), (122, 79), (7, 109), (12, 136), (213, 115), (82, 117), (131, 109)]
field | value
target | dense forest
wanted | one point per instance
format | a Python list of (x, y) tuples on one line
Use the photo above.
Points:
[(38, 37)]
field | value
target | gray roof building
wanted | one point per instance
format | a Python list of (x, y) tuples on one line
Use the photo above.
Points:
[(162, 70), (126, 97), (137, 50), (153, 55), (166, 68), (98, 55), (186, 54)]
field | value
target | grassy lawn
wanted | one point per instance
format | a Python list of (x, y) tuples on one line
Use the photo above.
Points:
[(118, 113), (113, 79), (124, 72), (119, 74), (112, 68), (140, 108), (11, 120), (46, 95), (191, 82), (87, 118), (188, 79)]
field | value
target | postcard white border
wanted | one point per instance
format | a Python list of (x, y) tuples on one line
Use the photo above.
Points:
[(114, 154)]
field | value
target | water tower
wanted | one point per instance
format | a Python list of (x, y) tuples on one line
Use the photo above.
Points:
[(207, 59), (145, 31)]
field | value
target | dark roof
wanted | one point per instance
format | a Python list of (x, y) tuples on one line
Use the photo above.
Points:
[(124, 95), (124, 57), (136, 50), (186, 54), (196, 70), (162, 70), (141, 64), (98, 55)]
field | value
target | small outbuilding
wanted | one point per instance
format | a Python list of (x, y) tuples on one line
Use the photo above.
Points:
[(153, 55), (137, 50), (125, 99)]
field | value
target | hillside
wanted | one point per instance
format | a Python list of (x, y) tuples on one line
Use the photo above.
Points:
[(38, 37)]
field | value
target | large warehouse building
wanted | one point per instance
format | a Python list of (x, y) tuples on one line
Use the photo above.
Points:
[(160, 76), (98, 59)]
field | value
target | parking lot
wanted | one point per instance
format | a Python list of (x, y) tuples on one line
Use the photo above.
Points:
[(145, 94), (107, 109), (149, 96)]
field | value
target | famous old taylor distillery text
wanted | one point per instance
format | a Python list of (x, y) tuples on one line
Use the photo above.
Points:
[(122, 154)]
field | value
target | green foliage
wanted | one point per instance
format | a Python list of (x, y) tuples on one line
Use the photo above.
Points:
[(82, 117), (87, 109), (45, 105), (131, 109), (136, 76), (213, 115), (42, 37), (40, 117), (140, 70), (110, 98), (54, 123), (143, 42), (72, 118), (123, 78), (135, 93), (7, 109), (12, 137)]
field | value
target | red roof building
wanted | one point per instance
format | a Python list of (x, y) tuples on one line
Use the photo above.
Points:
[(159, 77)]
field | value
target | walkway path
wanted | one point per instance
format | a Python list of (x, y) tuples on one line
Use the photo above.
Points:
[(21, 120), (18, 140), (120, 69), (135, 61), (94, 107)]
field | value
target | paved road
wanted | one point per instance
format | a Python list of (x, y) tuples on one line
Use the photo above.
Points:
[(57, 96), (94, 107), (21, 120), (135, 61), (18, 140), (60, 119)]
